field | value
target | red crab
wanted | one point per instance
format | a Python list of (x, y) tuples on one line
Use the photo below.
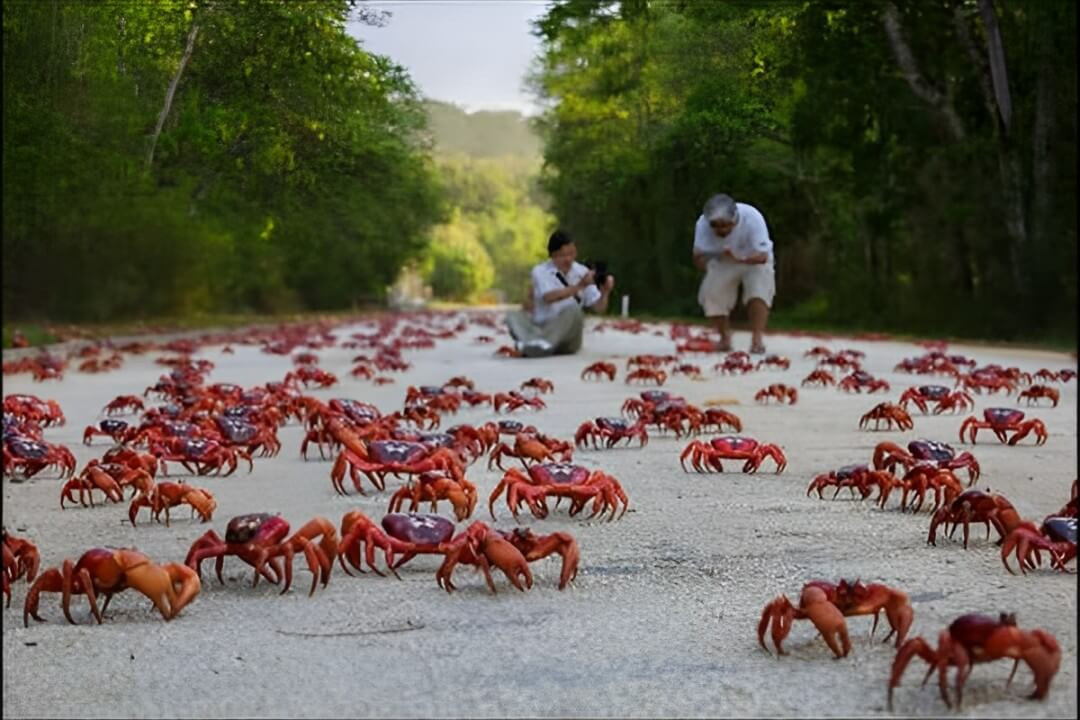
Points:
[(887, 455), (819, 378), (945, 399), (1036, 392), (474, 398), (779, 392), (124, 403), (259, 540), (719, 420), (612, 430), (514, 400), (532, 446), (704, 456), (432, 487), (308, 375), (853, 477), (1002, 421), (107, 571), (735, 363), (507, 351), (30, 407), (165, 495), (773, 361), (599, 369), (540, 385), (511, 552), (459, 381), (826, 605), (199, 455), (975, 506), (25, 457), (381, 457), (1056, 535), (647, 374), (888, 413), (691, 371), (116, 430), (21, 559), (972, 639), (861, 380), (90, 479), (559, 480)]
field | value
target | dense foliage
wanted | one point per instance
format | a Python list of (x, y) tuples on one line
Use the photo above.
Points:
[(166, 158), (489, 165), (915, 161)]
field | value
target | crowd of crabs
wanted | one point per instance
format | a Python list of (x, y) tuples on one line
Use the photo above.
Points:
[(211, 428)]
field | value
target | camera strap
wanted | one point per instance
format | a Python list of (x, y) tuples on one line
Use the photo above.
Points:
[(559, 275)]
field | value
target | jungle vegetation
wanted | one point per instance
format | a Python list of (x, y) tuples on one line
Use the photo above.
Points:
[(916, 162)]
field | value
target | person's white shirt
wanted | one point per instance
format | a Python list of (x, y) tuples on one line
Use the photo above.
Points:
[(545, 279), (749, 236)]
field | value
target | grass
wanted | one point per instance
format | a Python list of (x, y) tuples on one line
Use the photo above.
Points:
[(43, 333), (802, 318)]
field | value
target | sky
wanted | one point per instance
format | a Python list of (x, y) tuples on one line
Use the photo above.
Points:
[(473, 53)]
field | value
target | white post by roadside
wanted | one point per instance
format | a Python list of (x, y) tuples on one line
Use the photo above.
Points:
[(626, 306)]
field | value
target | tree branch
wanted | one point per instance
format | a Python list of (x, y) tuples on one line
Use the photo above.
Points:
[(890, 18), (171, 92), (997, 62), (964, 33)]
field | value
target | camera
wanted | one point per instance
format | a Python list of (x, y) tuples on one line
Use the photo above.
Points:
[(599, 267)]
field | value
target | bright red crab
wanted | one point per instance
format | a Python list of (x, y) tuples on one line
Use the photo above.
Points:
[(531, 446), (647, 375), (514, 400), (773, 361), (1002, 421), (559, 480), (538, 385), (382, 457), (975, 506), (511, 552), (1037, 392), (887, 455), (779, 392), (116, 430), (826, 604), (1056, 535), (598, 370), (108, 571), (124, 403), (945, 399), (819, 378), (21, 559), (704, 456), (861, 380), (611, 430), (259, 540), (888, 413), (972, 639)]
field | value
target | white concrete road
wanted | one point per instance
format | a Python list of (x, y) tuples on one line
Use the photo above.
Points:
[(660, 622)]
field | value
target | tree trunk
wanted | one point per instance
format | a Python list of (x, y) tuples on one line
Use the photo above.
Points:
[(171, 92), (890, 18), (996, 51)]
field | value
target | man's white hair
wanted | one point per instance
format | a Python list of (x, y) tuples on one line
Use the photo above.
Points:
[(721, 207)]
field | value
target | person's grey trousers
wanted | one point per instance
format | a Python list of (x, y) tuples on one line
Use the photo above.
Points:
[(564, 331)]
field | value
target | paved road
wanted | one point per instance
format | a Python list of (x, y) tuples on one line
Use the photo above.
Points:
[(660, 622)]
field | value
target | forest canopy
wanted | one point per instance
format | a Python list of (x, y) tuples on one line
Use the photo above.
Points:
[(168, 158), (915, 162)]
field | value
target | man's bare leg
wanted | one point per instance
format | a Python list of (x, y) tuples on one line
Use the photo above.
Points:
[(759, 316), (724, 328)]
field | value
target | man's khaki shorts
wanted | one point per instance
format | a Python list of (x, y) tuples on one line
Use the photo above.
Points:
[(720, 286)]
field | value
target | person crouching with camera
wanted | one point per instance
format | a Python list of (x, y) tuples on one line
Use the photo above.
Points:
[(552, 321)]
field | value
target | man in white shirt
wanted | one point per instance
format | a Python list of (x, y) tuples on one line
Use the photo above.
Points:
[(551, 320), (732, 246)]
